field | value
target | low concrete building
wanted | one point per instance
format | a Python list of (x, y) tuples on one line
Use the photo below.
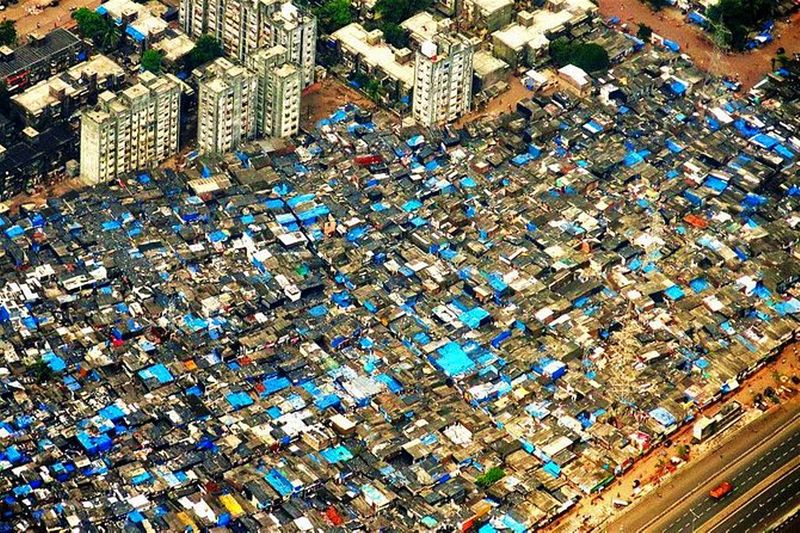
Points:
[(521, 43), (38, 59), (575, 79), (487, 15), (368, 53), (488, 70), (424, 26), (64, 94), (175, 48), (141, 25)]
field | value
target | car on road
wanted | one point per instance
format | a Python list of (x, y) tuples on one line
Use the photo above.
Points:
[(721, 490)]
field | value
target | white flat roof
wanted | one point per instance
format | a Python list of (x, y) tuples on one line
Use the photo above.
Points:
[(516, 36), (353, 37), (490, 6)]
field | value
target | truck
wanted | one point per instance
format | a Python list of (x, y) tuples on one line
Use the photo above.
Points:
[(721, 490)]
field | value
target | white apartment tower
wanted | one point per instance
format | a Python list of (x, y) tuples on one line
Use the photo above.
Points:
[(279, 87), (242, 26), (296, 31), (131, 130), (226, 109), (443, 79)]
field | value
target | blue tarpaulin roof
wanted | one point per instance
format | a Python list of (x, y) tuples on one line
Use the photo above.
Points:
[(593, 127), (474, 317), (134, 33), (453, 360), (278, 482), (663, 417), (275, 384), (158, 371)]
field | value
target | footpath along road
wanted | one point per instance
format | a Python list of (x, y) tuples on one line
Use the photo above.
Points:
[(745, 458)]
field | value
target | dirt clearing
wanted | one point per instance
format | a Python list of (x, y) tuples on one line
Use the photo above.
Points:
[(31, 15), (324, 97), (750, 67)]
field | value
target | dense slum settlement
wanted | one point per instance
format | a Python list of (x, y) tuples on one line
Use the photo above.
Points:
[(399, 329)]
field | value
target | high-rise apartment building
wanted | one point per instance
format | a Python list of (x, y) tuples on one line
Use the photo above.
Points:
[(443, 79), (226, 109), (242, 26), (131, 130), (295, 30), (279, 87)]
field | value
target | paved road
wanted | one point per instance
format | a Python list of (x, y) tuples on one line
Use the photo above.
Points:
[(790, 525), (743, 478), (683, 502), (769, 505)]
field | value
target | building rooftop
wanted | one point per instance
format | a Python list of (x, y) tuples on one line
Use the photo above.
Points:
[(349, 330), (484, 63), (354, 38), (175, 48), (38, 51), (490, 6), (51, 91), (146, 19), (540, 21), (424, 26)]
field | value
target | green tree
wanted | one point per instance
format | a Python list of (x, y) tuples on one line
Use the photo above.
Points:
[(205, 49), (151, 60), (395, 34), (8, 33), (397, 11), (683, 452), (41, 370), (109, 37), (644, 32), (492, 476), (735, 19), (656, 5), (560, 51), (334, 14), (373, 89), (781, 60), (90, 23), (590, 57), (101, 30)]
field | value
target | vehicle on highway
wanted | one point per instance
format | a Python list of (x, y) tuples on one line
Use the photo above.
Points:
[(620, 503), (721, 490)]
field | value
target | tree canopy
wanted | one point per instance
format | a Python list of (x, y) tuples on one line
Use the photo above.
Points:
[(590, 57), (644, 32), (8, 33), (151, 60), (656, 5), (205, 49), (395, 34), (492, 476), (90, 23), (334, 14), (396, 11), (733, 20), (101, 30)]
